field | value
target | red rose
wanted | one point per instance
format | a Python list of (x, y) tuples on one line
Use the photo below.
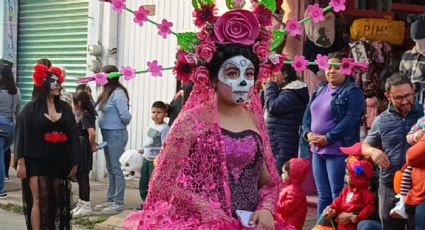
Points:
[(201, 76), (265, 35), (205, 51), (237, 26), (262, 49), (264, 15)]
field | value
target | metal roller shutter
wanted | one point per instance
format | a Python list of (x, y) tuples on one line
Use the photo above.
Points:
[(53, 29)]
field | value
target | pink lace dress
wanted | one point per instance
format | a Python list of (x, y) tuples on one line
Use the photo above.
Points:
[(244, 161)]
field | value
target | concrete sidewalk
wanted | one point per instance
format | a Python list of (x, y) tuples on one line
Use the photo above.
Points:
[(98, 195), (132, 200)]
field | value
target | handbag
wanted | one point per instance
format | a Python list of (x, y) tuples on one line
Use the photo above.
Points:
[(384, 29), (320, 226)]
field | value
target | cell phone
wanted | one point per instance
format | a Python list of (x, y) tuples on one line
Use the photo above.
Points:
[(244, 217), (102, 145)]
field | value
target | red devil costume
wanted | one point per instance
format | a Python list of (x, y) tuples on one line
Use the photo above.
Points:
[(356, 198)]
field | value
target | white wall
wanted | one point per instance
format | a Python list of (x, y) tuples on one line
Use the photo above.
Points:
[(136, 46)]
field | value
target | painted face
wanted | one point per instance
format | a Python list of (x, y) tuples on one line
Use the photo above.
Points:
[(420, 45), (54, 83), (238, 74)]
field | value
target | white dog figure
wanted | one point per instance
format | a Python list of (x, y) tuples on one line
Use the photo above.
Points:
[(131, 163)]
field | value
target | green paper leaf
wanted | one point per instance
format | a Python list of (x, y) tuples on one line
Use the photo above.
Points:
[(278, 38), (229, 4), (195, 4), (187, 41), (269, 4)]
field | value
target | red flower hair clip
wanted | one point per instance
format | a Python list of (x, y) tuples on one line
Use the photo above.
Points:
[(41, 72)]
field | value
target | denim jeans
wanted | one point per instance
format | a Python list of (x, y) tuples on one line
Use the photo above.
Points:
[(117, 140), (6, 137), (329, 173), (387, 201), (369, 225), (416, 215)]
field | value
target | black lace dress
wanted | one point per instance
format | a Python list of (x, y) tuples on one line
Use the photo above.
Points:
[(50, 149)]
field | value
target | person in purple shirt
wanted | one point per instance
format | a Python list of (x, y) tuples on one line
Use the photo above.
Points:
[(332, 120)]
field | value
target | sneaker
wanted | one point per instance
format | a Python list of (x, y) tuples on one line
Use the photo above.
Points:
[(3, 195), (85, 209), (398, 211), (6, 179), (103, 205), (77, 207), (113, 209)]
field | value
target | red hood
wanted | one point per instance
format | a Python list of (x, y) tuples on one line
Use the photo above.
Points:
[(298, 169), (361, 172)]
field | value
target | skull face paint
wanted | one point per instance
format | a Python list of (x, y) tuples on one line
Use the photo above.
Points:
[(238, 73), (53, 82)]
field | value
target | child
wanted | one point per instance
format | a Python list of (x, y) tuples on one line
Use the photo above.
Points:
[(292, 206), (153, 142), (355, 199), (415, 134), (85, 116)]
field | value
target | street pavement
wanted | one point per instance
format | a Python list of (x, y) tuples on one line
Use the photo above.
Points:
[(13, 221)]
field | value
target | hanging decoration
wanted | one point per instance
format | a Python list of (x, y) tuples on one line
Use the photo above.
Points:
[(197, 49)]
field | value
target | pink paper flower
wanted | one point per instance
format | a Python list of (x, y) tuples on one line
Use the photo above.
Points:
[(154, 68), (164, 28), (85, 80), (237, 26), (239, 2), (205, 51), (316, 13), (264, 15), (347, 66), (128, 73), (337, 5), (141, 15), (322, 61), (118, 5), (293, 27), (262, 49), (300, 64), (101, 78), (201, 76)]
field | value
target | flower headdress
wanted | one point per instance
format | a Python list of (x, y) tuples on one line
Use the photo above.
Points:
[(237, 26), (41, 72)]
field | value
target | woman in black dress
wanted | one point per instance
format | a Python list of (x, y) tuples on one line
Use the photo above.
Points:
[(47, 152), (85, 116)]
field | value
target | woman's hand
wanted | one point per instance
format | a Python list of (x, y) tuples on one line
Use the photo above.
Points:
[(73, 171), (321, 141), (262, 219), (21, 169)]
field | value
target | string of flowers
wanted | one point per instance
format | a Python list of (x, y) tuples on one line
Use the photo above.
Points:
[(186, 65)]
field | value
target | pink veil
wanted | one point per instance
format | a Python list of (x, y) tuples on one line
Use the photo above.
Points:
[(189, 188)]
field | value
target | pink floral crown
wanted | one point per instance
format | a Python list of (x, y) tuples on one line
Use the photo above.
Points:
[(237, 26), (234, 27)]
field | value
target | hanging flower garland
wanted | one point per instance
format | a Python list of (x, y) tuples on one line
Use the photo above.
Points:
[(196, 48)]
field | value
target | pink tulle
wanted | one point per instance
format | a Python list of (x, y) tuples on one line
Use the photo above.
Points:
[(190, 186)]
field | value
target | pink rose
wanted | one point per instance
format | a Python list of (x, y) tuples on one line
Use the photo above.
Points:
[(262, 49), (265, 71), (204, 34), (201, 76), (205, 51), (237, 26)]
